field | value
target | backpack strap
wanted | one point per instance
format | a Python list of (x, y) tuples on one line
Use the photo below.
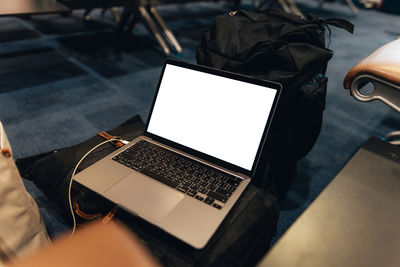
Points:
[(108, 136), (340, 23)]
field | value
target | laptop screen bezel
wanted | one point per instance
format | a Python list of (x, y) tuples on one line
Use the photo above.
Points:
[(206, 157)]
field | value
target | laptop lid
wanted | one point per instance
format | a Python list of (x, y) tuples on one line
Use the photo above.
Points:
[(218, 116)]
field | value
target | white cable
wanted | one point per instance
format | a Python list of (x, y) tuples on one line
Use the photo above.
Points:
[(72, 178)]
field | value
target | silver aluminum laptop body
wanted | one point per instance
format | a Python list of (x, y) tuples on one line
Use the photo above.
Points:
[(215, 118)]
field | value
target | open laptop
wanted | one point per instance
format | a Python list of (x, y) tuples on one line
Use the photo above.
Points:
[(200, 149)]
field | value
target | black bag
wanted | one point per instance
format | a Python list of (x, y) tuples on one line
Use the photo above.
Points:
[(270, 45), (390, 6), (51, 171), (241, 240), (285, 48)]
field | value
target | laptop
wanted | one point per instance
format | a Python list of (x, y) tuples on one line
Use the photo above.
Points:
[(354, 221), (203, 138)]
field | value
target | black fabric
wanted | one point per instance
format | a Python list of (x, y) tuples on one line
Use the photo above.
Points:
[(270, 45), (390, 6), (241, 240), (285, 48), (51, 171), (293, 133)]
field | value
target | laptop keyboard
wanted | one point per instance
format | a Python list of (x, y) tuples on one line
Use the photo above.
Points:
[(197, 180)]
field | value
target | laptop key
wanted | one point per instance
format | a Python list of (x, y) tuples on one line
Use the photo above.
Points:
[(180, 180), (215, 205), (183, 188), (128, 164), (231, 188), (203, 190), (134, 168), (196, 180), (195, 186), (203, 183), (209, 200), (214, 181), (206, 178), (215, 174), (191, 192), (222, 178), (199, 198), (211, 187), (233, 181), (159, 178), (223, 192), (217, 196), (190, 171), (187, 183), (183, 168), (222, 184)]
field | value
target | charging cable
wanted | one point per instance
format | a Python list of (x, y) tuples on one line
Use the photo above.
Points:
[(112, 139)]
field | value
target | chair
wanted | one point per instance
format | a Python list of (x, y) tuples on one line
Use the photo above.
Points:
[(382, 70)]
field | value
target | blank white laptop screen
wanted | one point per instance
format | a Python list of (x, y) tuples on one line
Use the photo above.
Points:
[(218, 116)]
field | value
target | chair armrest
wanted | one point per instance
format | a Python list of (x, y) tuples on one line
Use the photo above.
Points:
[(382, 68), (384, 63)]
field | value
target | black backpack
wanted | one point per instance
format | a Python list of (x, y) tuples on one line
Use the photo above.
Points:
[(285, 48), (241, 240)]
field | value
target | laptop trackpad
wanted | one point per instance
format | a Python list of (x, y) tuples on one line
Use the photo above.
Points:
[(144, 196)]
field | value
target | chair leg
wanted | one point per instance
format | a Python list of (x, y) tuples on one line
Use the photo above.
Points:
[(284, 6), (153, 29), (293, 7), (351, 5), (133, 20), (169, 36), (86, 15), (126, 14), (116, 15)]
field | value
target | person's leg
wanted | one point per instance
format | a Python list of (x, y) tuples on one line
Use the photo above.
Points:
[(22, 229)]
